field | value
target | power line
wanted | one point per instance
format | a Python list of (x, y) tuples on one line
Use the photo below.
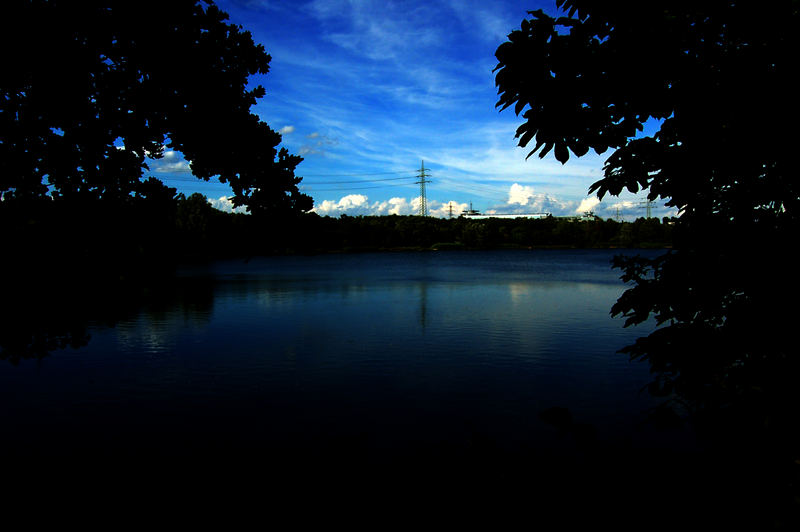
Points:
[(647, 204), (354, 175), (337, 189), (194, 180), (484, 191), (422, 179), (360, 180)]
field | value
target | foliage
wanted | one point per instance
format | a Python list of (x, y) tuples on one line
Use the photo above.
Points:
[(93, 88), (716, 79), (372, 233)]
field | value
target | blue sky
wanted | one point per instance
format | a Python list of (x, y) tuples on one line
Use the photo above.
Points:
[(366, 90)]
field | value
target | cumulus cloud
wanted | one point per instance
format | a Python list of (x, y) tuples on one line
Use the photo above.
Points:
[(624, 209), (353, 201), (445, 210), (630, 209), (397, 206), (520, 194), (623, 205), (523, 199), (352, 204), (223, 203), (359, 205), (171, 162), (588, 204), (285, 130)]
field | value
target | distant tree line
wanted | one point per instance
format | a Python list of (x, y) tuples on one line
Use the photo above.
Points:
[(398, 232), (67, 259), (142, 235), (156, 228)]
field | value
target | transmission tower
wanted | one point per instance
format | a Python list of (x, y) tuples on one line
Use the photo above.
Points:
[(647, 205), (423, 180)]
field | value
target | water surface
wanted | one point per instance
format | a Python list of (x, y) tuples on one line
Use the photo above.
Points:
[(379, 358)]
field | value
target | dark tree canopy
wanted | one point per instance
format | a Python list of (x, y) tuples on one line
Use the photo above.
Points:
[(718, 78), (82, 80), (719, 75)]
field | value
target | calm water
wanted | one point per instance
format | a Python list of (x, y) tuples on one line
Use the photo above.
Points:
[(376, 357), (444, 374)]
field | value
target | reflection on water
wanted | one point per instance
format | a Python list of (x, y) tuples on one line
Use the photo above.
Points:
[(384, 356)]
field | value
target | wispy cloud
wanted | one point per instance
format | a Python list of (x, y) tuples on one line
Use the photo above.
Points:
[(377, 30), (316, 145), (359, 86)]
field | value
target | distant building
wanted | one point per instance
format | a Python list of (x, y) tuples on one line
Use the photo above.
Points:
[(474, 214), (588, 216), (480, 216), (470, 212)]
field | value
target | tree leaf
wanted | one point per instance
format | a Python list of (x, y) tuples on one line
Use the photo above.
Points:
[(561, 152)]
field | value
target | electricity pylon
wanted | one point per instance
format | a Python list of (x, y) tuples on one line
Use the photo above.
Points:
[(647, 205), (423, 180)]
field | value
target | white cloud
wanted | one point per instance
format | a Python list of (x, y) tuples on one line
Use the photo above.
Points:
[(171, 162), (352, 204), (177, 167), (588, 204), (223, 203), (352, 201), (286, 130), (521, 200), (525, 200), (520, 194), (395, 206), (625, 209), (359, 205), (623, 205), (444, 210)]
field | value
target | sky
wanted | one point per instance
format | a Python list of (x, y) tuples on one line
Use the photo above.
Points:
[(367, 91)]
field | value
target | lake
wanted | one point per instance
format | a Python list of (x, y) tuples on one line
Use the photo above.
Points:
[(423, 367)]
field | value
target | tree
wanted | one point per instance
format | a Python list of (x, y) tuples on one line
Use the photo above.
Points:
[(90, 89), (716, 80)]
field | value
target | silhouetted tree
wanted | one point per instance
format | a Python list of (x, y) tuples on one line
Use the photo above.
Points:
[(717, 78), (194, 216), (90, 89)]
